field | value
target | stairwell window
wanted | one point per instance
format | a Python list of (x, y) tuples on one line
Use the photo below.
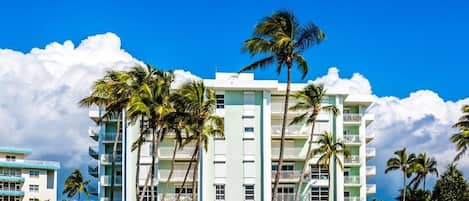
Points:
[(220, 101), (220, 192), (33, 173), (248, 192), (11, 158), (33, 188), (319, 172), (248, 129), (319, 193)]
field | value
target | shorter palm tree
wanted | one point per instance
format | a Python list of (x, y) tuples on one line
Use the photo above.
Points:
[(403, 162), (423, 165), (75, 185), (329, 151), (461, 139)]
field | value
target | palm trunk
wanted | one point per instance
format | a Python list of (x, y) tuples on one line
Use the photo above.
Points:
[(195, 174), (187, 172), (282, 141), (114, 156), (305, 162), (139, 150), (424, 180), (173, 162), (78, 196), (156, 143), (145, 186), (405, 187)]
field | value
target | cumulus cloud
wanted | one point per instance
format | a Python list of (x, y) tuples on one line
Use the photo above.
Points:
[(181, 77), (357, 84)]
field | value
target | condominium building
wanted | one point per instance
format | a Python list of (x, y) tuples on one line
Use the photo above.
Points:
[(242, 164), (26, 180)]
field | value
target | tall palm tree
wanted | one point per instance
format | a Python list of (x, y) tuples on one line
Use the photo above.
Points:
[(282, 38), (309, 100), (403, 162), (75, 185), (423, 165), (112, 93), (199, 103), (329, 151), (152, 101), (461, 139)]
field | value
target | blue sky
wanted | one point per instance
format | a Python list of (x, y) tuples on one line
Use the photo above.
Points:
[(400, 46)]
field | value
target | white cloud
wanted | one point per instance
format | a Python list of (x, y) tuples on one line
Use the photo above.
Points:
[(357, 84), (181, 77)]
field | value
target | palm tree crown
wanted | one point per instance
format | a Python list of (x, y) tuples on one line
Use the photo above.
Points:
[(423, 165), (74, 185), (461, 139), (403, 162)]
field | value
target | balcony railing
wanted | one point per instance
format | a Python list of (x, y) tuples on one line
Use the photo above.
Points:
[(370, 170), (370, 152), (352, 198), (173, 196), (285, 197), (186, 152), (288, 152), (106, 180), (352, 179), (93, 133), (111, 137), (93, 171), (352, 117), (371, 188), (11, 192), (352, 139), (353, 159), (105, 199), (370, 136), (287, 174), (49, 163), (277, 107), (178, 175), (107, 158), (291, 130), (94, 154)]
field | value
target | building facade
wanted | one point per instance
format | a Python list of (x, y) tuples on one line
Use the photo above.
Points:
[(241, 165), (26, 180)]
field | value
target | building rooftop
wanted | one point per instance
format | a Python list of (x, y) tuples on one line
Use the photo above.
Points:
[(14, 150)]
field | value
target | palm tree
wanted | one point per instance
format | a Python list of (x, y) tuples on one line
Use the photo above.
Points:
[(152, 101), (461, 139), (112, 93), (329, 151), (282, 38), (423, 165), (403, 162), (309, 100), (75, 185), (199, 103)]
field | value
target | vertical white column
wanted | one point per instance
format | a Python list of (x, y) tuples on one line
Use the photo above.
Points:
[(129, 160), (339, 135), (267, 145), (362, 132)]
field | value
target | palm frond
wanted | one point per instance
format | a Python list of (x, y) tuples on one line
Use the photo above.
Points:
[(262, 63)]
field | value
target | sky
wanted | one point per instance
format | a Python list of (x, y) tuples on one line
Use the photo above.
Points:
[(409, 54)]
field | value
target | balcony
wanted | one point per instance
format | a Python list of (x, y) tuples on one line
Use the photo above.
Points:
[(93, 133), (106, 180), (11, 192), (96, 113), (352, 198), (291, 175), (352, 180), (352, 160), (369, 136), (352, 139), (277, 108), (11, 178), (285, 196), (370, 170), (173, 196), (111, 137), (293, 131), (288, 153), (370, 188), (93, 171), (178, 175), (370, 152), (107, 158), (352, 118), (166, 153), (93, 153)]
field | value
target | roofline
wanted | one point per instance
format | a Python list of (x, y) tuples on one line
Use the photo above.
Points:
[(15, 150)]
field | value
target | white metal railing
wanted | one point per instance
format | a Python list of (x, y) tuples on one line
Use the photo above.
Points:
[(173, 196), (287, 174), (352, 179), (352, 139), (370, 152), (287, 152), (293, 130), (352, 159), (107, 158), (352, 117), (352, 198), (178, 175), (106, 180), (285, 197), (186, 152), (370, 188), (370, 170)]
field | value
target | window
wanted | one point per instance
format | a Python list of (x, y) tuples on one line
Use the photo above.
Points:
[(11, 158), (33, 188), (34, 173), (220, 192), (220, 101), (319, 172), (248, 129), (319, 194), (284, 193), (185, 190), (288, 167), (248, 192), (147, 196)]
